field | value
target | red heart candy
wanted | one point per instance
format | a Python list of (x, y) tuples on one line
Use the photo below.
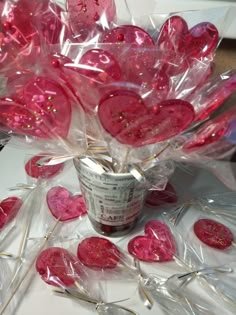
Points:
[(9, 208), (156, 197), (213, 233), (196, 43), (63, 205), (58, 267), (124, 115), (46, 171), (86, 15), (98, 253), (211, 132), (148, 249), (51, 106)]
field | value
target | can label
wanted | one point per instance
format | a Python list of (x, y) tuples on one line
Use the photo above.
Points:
[(110, 199)]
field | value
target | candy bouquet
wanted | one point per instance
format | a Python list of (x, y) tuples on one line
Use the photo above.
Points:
[(126, 98)]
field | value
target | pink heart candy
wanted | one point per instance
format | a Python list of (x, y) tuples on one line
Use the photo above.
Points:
[(9, 208), (12, 42), (63, 205), (51, 106), (32, 17), (158, 244), (44, 110), (196, 43), (124, 115), (85, 16)]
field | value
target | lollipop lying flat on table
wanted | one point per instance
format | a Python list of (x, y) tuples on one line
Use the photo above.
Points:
[(98, 253), (64, 205), (157, 245), (58, 267), (213, 233), (9, 208), (33, 169)]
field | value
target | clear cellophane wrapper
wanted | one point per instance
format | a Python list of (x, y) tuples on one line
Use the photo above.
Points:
[(158, 249), (68, 52), (194, 254)]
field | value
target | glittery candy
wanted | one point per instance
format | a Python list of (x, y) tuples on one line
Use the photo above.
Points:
[(124, 115), (98, 253), (157, 245), (58, 267), (9, 208), (213, 233), (86, 15), (63, 205)]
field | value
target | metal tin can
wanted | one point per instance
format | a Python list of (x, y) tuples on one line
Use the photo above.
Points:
[(114, 201)]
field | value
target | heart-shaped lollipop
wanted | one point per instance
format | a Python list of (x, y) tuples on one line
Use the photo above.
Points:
[(96, 69), (166, 196), (86, 15), (58, 267), (63, 205), (98, 253), (33, 169), (158, 244), (213, 233), (124, 115), (211, 132), (135, 51), (198, 42), (32, 17), (12, 43), (50, 103), (9, 208), (213, 94)]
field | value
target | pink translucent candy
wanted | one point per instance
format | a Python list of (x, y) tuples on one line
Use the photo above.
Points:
[(211, 132), (99, 65), (156, 198), (33, 16), (86, 15), (213, 233), (50, 105), (203, 41), (9, 208), (98, 253), (159, 230), (139, 58), (47, 171), (65, 206), (14, 117), (186, 45), (12, 41), (172, 34), (148, 249), (124, 115), (213, 94), (129, 34), (58, 267)]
